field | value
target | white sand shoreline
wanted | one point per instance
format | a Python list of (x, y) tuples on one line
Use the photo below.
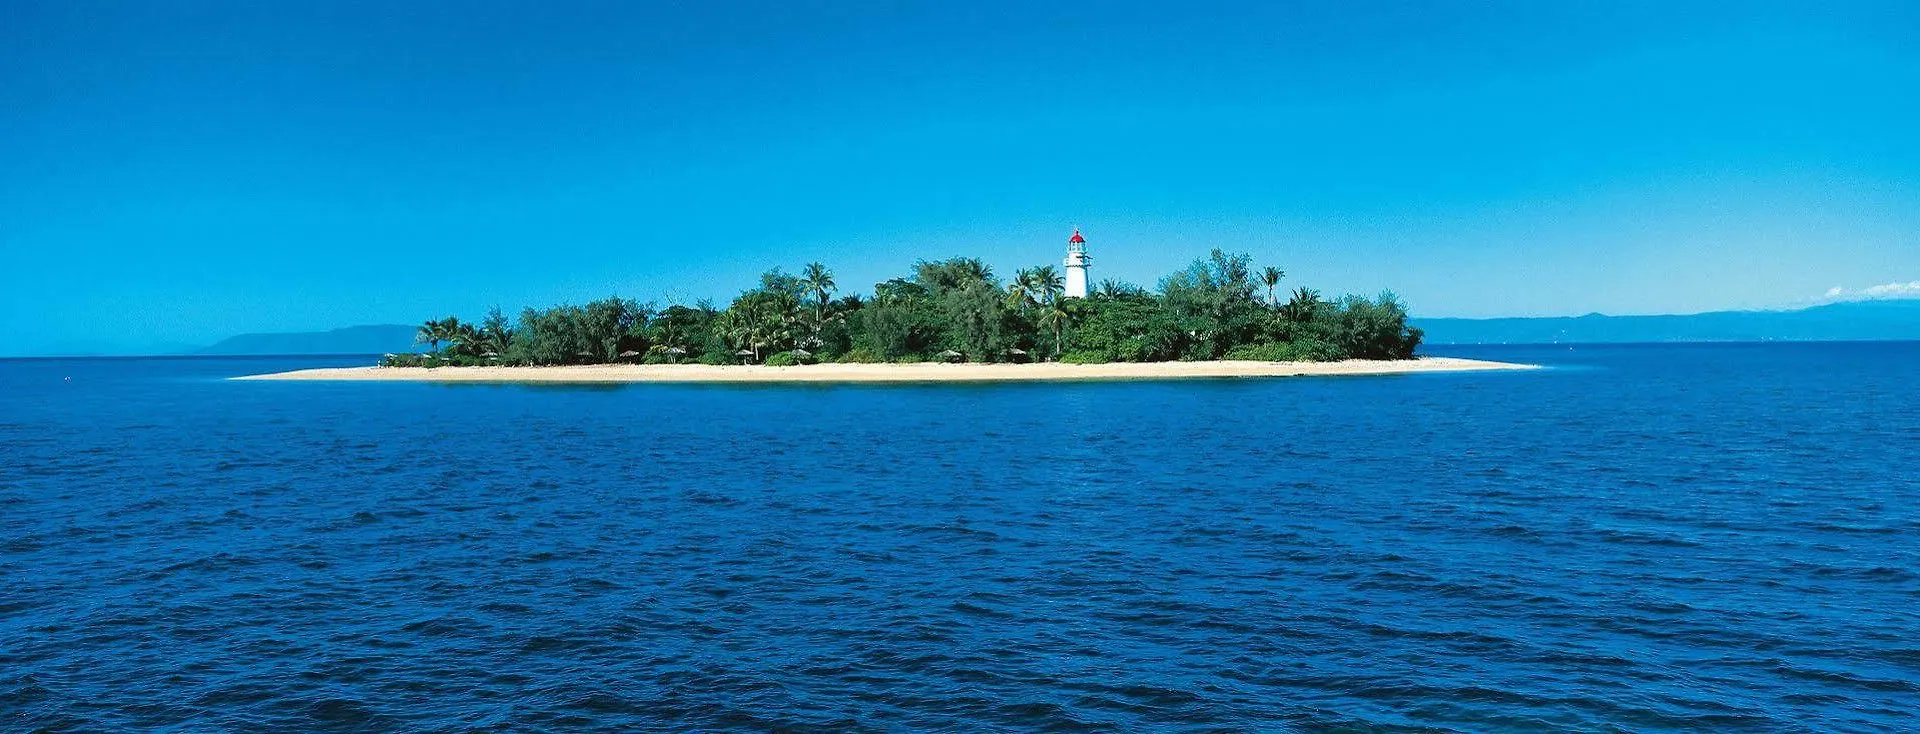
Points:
[(890, 373)]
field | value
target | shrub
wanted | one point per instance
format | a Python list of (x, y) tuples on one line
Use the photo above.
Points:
[(1315, 350), (718, 358), (860, 356), (434, 360), (1281, 352), (787, 359), (1138, 349), (1302, 350), (1084, 357), (403, 360)]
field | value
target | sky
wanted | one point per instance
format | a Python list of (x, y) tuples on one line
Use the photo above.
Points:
[(175, 172)]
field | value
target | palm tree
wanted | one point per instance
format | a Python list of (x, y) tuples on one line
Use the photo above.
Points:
[(1305, 302), (1024, 290), (818, 280), (735, 329), (464, 337), (429, 333), (432, 333), (1055, 315), (771, 330), (1271, 277), (1049, 284)]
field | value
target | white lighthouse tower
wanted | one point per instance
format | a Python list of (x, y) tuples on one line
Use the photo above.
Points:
[(1077, 265)]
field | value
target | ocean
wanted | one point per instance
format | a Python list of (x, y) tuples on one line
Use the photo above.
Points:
[(1641, 538)]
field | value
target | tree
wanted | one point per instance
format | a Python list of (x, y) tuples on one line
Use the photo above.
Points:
[(761, 319), (1214, 298), (449, 331), (735, 328), (938, 277), (1111, 288), (972, 317), (1271, 277), (899, 291), (1303, 307), (430, 333), (888, 329), (549, 336), (1049, 283), (1370, 328), (463, 338), (496, 333), (679, 327), (818, 281), (613, 325), (778, 280), (1130, 327), (1023, 291), (1209, 309), (1054, 314)]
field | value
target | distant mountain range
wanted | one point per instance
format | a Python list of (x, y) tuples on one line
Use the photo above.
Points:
[(1849, 321), (374, 339)]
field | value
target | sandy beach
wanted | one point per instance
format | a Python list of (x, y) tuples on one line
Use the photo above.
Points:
[(870, 373)]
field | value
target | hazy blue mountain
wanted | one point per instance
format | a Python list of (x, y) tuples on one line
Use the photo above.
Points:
[(1851, 321), (374, 339)]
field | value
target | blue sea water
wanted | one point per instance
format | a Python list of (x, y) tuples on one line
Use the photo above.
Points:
[(1642, 538)]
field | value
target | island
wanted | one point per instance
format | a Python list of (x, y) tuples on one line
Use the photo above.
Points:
[(947, 320)]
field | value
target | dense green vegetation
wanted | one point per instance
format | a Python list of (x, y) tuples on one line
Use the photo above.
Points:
[(951, 310)]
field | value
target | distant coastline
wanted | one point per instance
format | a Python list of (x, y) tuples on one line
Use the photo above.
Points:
[(1872, 320), (921, 372)]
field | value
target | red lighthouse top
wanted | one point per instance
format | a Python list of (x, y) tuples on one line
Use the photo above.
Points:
[(1076, 238)]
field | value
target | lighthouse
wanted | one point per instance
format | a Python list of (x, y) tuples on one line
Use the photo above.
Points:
[(1077, 265)]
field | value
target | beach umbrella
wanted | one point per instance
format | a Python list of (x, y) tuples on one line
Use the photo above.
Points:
[(950, 354), (489, 354), (629, 353), (802, 353), (676, 350), (1020, 352)]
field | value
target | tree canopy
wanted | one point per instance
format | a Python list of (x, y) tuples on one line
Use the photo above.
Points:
[(1218, 307)]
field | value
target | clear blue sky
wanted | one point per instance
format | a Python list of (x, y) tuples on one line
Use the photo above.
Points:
[(175, 172)]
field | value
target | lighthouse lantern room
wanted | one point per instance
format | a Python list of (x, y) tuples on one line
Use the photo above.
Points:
[(1077, 265)]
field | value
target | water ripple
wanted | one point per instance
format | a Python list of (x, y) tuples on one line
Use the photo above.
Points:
[(1631, 546)]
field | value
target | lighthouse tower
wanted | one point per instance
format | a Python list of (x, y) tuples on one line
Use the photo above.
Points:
[(1077, 265)]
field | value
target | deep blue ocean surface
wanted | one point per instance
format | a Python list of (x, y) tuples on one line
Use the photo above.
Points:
[(1643, 538)]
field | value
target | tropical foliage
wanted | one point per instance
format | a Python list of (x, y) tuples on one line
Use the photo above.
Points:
[(1219, 307)]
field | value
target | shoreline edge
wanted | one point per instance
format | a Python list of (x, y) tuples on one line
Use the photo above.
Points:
[(920, 372)]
